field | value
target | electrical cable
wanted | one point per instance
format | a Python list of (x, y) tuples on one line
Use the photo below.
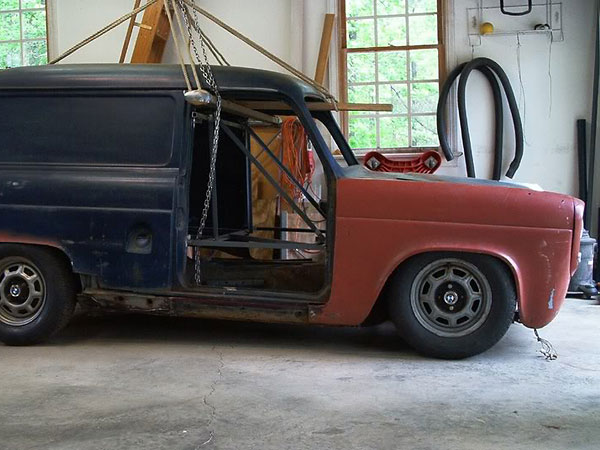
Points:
[(295, 155)]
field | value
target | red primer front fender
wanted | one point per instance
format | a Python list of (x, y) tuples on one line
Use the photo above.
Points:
[(368, 250)]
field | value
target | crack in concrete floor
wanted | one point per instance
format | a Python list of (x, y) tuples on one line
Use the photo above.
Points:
[(125, 382)]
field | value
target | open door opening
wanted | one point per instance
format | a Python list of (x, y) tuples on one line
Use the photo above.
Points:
[(266, 230)]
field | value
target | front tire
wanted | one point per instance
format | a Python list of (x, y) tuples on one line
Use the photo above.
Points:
[(37, 294), (452, 305)]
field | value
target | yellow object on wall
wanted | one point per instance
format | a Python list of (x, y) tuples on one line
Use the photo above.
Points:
[(486, 28)]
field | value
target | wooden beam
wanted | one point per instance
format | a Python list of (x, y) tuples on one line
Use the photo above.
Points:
[(376, 107), (205, 100), (325, 48), (129, 33), (141, 25), (320, 106), (153, 35), (242, 110), (392, 48)]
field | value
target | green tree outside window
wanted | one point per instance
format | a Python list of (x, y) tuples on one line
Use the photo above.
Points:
[(392, 53), (23, 33)]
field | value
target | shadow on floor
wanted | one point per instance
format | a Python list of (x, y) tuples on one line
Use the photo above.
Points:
[(117, 328)]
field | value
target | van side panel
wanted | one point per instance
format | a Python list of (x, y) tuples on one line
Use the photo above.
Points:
[(94, 176)]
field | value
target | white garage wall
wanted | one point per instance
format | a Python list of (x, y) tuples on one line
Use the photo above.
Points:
[(72, 21), (291, 29), (549, 105), (271, 23), (267, 22)]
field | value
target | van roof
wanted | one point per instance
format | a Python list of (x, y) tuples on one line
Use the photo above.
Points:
[(239, 80)]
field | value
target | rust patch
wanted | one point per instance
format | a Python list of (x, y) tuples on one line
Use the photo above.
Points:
[(194, 307)]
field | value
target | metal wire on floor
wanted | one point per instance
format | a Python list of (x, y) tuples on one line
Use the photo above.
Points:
[(547, 349)]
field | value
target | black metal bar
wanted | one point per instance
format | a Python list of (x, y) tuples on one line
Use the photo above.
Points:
[(271, 180), (249, 203), (199, 117), (287, 171), (269, 144), (287, 230), (275, 137), (239, 237), (327, 119), (274, 244), (214, 199), (592, 195), (582, 158)]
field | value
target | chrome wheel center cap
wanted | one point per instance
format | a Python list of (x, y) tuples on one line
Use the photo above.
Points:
[(451, 298), (15, 290)]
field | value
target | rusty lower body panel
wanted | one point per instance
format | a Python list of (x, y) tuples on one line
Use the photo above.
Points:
[(176, 306)]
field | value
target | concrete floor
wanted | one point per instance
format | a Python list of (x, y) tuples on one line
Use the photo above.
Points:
[(153, 383)]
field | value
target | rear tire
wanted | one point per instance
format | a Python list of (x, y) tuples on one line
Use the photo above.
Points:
[(37, 294), (452, 305)]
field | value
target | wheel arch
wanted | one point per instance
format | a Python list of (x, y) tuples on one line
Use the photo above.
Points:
[(379, 310), (53, 248)]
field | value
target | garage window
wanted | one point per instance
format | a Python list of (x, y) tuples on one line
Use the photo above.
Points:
[(23, 33), (392, 52)]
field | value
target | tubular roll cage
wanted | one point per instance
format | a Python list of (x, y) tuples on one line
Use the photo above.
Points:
[(242, 239)]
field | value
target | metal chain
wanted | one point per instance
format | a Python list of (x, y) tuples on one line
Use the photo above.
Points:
[(208, 76), (206, 70)]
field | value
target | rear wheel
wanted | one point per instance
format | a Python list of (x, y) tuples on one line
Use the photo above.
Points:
[(37, 294), (450, 305)]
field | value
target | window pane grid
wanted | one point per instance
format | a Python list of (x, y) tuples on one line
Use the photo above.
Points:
[(377, 123), (16, 41), (409, 95), (21, 10), (415, 94), (373, 83), (379, 115), (29, 45), (390, 16), (21, 31)]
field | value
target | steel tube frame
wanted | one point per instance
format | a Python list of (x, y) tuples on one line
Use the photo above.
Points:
[(253, 242), (272, 181), (287, 171)]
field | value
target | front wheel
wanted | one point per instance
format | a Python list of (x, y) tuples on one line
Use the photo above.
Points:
[(37, 294), (452, 306)]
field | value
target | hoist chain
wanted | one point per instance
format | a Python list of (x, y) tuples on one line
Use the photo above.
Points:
[(208, 76)]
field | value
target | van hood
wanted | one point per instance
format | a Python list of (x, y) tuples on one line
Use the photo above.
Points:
[(434, 198), (361, 172)]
